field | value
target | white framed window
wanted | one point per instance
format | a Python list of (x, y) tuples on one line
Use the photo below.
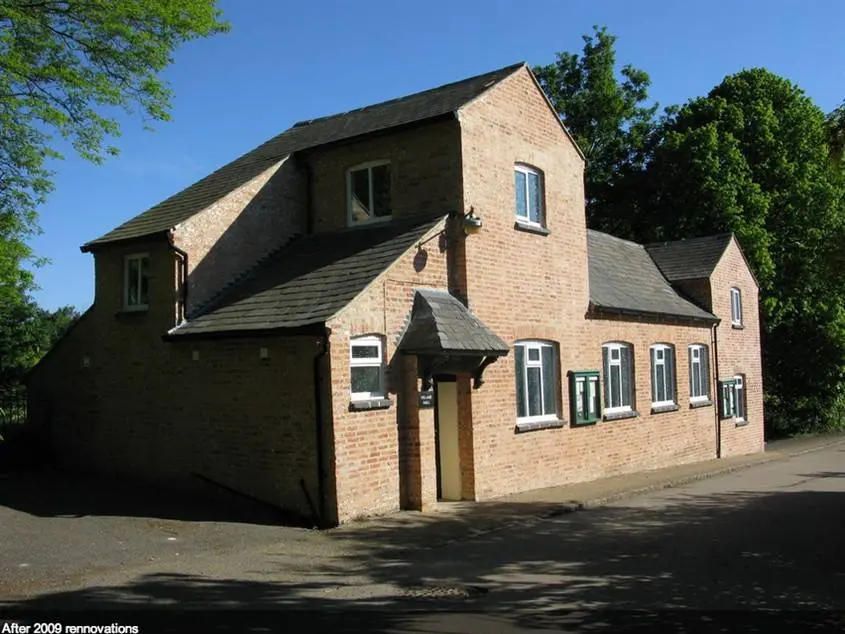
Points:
[(736, 306), (368, 193), (662, 374), (618, 377), (536, 380), (366, 368), (739, 398), (699, 373), (529, 195), (136, 281)]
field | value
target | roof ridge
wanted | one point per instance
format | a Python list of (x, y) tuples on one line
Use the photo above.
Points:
[(307, 122), (711, 236)]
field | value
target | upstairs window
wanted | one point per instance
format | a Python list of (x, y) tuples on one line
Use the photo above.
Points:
[(536, 380), (369, 193), (136, 281), (618, 377), (366, 368), (699, 373), (736, 307), (662, 375), (529, 195)]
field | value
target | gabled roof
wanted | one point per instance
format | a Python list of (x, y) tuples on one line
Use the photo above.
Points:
[(415, 108), (309, 280), (690, 259), (624, 279), (440, 324)]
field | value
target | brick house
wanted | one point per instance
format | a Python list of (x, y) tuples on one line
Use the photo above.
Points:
[(399, 304)]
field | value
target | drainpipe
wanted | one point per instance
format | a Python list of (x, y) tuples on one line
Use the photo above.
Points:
[(318, 411), (716, 393), (183, 277)]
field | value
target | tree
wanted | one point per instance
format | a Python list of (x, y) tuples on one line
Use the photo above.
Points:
[(608, 115), (752, 157), (65, 67), (836, 136)]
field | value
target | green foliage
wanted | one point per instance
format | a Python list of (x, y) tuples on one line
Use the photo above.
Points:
[(752, 158), (836, 136), (606, 112)]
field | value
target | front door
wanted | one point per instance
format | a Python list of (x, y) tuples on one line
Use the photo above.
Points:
[(448, 452)]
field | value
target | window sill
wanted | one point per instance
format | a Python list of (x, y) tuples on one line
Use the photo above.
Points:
[(737, 326), (621, 415), (528, 227), (133, 310), (536, 425), (741, 423), (585, 423), (660, 409), (696, 404), (367, 404)]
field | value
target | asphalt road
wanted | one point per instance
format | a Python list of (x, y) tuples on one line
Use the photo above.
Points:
[(751, 551)]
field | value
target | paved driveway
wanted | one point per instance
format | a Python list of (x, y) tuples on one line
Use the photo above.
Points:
[(58, 530), (764, 538)]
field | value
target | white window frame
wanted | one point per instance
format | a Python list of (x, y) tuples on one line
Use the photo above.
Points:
[(369, 167), (370, 362), (736, 306), (701, 349), (739, 400), (527, 169), (669, 377), (126, 260), (610, 347), (539, 345)]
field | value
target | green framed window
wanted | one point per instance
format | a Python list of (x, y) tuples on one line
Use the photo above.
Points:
[(727, 398), (585, 404)]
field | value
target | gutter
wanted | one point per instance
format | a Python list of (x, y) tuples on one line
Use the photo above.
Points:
[(606, 310), (716, 392), (318, 415), (183, 277)]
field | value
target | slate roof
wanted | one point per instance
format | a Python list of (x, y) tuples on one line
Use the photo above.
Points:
[(310, 279), (440, 324), (624, 278), (689, 259), (303, 135)]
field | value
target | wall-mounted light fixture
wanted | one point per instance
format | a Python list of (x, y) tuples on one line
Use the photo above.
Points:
[(470, 223)]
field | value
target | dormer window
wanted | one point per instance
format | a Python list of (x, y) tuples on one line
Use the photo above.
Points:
[(136, 281), (369, 193)]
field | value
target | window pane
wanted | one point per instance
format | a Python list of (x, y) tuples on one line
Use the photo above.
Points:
[(592, 398), (521, 211), (364, 352), (606, 369), (133, 266), (695, 381), (660, 378), (366, 379), (580, 409), (615, 385), (549, 382), (381, 191), (521, 405), (535, 405), (533, 354), (534, 198), (705, 373), (361, 195), (626, 375), (670, 374), (144, 280)]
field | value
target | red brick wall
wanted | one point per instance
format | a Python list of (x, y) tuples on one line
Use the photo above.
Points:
[(367, 451), (231, 235), (425, 172), (739, 349), (146, 409)]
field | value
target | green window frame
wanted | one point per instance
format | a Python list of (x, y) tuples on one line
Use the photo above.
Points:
[(584, 397), (727, 399)]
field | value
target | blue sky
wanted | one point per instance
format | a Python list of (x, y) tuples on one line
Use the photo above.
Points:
[(285, 61)]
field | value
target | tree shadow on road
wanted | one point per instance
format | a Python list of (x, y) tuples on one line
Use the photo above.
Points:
[(676, 564)]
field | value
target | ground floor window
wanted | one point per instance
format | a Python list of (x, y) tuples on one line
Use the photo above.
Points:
[(618, 377), (739, 397), (699, 373), (732, 395), (662, 375), (366, 368), (536, 380)]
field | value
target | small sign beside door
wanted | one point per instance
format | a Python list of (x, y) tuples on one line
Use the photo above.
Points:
[(427, 399)]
